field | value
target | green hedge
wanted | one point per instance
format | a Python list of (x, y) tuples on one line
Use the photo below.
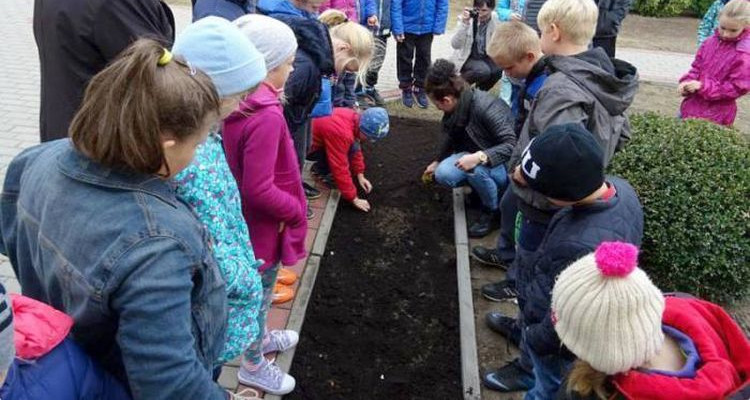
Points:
[(661, 8), (693, 179), (699, 7)]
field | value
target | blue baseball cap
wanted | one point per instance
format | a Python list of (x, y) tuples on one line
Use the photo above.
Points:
[(374, 123)]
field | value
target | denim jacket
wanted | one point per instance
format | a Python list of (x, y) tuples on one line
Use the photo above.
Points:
[(126, 259)]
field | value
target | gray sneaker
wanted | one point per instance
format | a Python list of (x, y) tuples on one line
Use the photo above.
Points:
[(268, 378), (278, 340)]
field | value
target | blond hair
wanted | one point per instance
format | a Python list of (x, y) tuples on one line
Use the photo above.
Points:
[(576, 19), (358, 38), (738, 10), (129, 105), (513, 40), (584, 380)]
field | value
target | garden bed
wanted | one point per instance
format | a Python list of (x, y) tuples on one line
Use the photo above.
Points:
[(383, 318)]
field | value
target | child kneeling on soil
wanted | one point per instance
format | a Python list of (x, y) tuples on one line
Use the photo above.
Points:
[(643, 345), (565, 164), (479, 140), (720, 73), (337, 151)]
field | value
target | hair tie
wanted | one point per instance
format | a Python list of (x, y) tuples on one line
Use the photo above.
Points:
[(166, 57)]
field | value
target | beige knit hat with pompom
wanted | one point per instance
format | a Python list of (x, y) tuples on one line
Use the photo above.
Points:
[(607, 311)]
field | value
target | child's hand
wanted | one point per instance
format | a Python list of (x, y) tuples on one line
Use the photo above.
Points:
[(366, 185), (372, 21), (468, 162), (516, 17), (681, 89), (399, 38), (361, 204), (518, 177), (693, 86)]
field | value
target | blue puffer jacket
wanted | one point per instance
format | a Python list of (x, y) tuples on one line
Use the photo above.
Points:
[(419, 16), (572, 233), (227, 9), (314, 59), (383, 11)]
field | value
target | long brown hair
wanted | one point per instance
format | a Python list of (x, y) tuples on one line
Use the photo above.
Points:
[(585, 380), (129, 105)]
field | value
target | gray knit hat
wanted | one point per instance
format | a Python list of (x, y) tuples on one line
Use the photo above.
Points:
[(7, 344), (271, 37), (606, 310)]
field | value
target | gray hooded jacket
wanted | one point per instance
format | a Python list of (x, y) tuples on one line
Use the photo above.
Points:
[(589, 88)]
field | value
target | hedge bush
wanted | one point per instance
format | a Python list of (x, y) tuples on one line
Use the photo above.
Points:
[(693, 179), (661, 8), (699, 7)]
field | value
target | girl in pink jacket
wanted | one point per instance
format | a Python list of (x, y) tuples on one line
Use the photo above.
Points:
[(720, 73)]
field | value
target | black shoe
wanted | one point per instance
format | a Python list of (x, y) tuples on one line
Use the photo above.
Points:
[(499, 291), (310, 213), (488, 221), (504, 325), (310, 192), (488, 256), (372, 93), (421, 96), (510, 378)]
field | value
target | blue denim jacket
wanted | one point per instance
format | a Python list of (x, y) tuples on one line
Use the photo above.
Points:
[(126, 259)]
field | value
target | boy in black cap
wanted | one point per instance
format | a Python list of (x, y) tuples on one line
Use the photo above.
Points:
[(565, 164)]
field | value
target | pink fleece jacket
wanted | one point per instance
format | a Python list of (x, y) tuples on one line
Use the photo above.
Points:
[(349, 7), (723, 68), (262, 158)]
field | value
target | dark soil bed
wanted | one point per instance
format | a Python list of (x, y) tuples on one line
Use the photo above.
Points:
[(383, 319)]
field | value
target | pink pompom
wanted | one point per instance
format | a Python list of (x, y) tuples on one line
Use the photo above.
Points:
[(616, 258)]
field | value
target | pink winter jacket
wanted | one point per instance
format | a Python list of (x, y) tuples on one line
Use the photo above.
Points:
[(349, 7), (38, 328), (723, 68), (262, 158)]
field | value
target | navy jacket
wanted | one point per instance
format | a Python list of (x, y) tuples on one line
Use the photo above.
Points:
[(419, 17), (572, 233), (227, 9), (313, 60)]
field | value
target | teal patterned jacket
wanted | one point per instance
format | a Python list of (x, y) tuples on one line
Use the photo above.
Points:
[(209, 187), (710, 21)]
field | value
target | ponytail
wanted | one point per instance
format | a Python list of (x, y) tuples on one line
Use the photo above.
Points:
[(333, 17), (128, 107), (442, 80), (584, 380)]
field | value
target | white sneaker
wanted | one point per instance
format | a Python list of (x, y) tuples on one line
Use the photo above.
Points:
[(268, 378), (278, 340)]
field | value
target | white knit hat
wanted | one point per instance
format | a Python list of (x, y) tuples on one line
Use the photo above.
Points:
[(607, 311), (273, 38)]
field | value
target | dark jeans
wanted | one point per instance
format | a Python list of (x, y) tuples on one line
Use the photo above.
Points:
[(302, 140), (320, 160), (413, 57), (481, 71), (506, 242), (378, 56), (607, 43)]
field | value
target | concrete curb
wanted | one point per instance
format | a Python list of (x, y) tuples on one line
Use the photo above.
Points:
[(469, 358), (307, 281)]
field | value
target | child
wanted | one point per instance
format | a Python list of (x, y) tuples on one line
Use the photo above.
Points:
[(478, 140), (381, 30), (565, 164), (261, 155), (207, 183), (104, 238), (710, 21), (508, 11), (353, 9), (336, 147), (415, 22), (720, 73), (643, 345), (470, 47), (354, 44), (38, 361), (583, 86)]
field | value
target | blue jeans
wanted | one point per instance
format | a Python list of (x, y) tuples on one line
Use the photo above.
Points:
[(549, 372), (487, 181)]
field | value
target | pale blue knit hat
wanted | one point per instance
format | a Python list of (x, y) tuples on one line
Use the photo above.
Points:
[(219, 49)]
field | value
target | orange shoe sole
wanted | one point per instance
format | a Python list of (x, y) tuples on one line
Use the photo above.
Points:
[(286, 277), (282, 294)]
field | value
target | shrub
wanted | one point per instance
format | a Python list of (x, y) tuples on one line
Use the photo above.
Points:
[(661, 8), (699, 7), (693, 179)]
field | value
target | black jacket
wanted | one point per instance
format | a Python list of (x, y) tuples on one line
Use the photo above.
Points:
[(77, 38), (488, 123), (611, 14), (572, 233), (531, 12)]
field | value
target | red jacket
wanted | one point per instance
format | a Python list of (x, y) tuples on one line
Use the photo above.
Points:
[(337, 134), (724, 351)]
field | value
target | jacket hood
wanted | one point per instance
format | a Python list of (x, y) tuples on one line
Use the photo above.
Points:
[(265, 96), (313, 39), (38, 328), (613, 82)]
